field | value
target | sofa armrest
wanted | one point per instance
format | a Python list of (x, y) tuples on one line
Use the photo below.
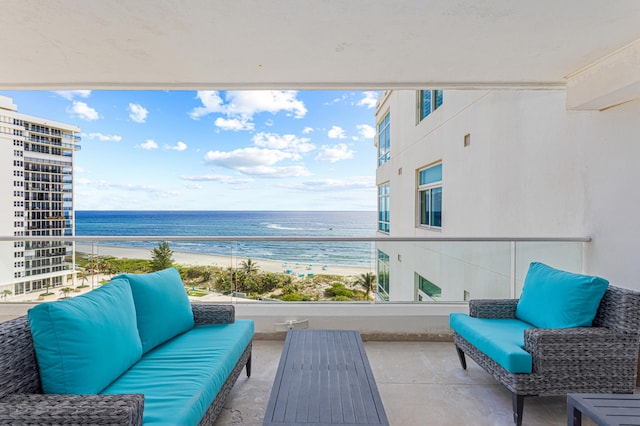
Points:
[(211, 313), (493, 308), (595, 347), (50, 409)]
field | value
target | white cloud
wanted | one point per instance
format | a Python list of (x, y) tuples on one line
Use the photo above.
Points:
[(83, 111), (102, 137), (249, 102), (354, 183), (366, 131), (335, 153), (275, 172), (255, 161), (369, 99), (337, 100), (234, 124), (246, 157), (105, 185), (149, 144), (180, 146), (336, 132), (138, 113), (290, 143), (211, 102), (195, 186), (225, 179), (240, 106), (72, 94), (307, 130)]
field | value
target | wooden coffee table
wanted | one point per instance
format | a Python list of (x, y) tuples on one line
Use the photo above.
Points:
[(324, 378)]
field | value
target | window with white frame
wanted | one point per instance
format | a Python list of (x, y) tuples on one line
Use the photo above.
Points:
[(383, 207), (430, 196), (428, 101), (384, 140), (383, 275), (426, 291)]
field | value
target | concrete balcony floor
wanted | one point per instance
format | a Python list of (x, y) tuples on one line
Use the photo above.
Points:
[(421, 383)]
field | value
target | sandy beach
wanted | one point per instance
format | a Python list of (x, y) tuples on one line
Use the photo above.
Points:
[(266, 265)]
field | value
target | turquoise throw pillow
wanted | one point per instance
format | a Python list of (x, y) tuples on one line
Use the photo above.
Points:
[(162, 306), (552, 298), (84, 343)]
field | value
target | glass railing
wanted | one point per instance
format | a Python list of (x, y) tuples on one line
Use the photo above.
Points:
[(291, 269)]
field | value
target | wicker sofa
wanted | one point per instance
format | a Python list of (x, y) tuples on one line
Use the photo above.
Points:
[(601, 358), (24, 398)]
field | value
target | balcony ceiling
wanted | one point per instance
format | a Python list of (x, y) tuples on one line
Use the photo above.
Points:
[(313, 44)]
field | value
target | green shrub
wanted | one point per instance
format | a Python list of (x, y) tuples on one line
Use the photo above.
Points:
[(339, 290), (341, 299)]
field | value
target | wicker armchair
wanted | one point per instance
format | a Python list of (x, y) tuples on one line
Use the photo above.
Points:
[(598, 359), (22, 401)]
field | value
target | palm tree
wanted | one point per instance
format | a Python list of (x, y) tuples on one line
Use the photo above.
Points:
[(367, 281), (249, 267), (83, 276), (65, 291), (6, 293)]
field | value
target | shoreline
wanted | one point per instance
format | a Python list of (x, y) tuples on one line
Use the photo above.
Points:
[(200, 259)]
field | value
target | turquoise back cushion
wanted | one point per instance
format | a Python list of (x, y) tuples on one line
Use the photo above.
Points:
[(552, 298), (84, 343), (162, 306)]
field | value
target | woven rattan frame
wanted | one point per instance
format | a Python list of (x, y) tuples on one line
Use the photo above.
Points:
[(598, 359), (23, 403)]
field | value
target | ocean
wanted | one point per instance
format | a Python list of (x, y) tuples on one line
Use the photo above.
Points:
[(242, 223)]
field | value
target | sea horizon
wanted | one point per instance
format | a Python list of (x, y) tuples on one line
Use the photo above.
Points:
[(230, 223)]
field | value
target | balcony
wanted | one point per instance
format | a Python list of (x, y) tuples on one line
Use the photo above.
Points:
[(408, 343), (419, 382)]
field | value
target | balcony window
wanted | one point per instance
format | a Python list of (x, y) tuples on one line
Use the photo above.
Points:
[(430, 196), (383, 207), (428, 101), (384, 140), (383, 275), (426, 290)]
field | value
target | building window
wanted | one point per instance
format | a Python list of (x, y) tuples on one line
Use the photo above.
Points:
[(383, 207), (427, 291), (384, 140), (428, 101), (383, 275), (430, 196)]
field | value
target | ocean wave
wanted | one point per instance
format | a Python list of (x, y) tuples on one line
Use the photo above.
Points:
[(285, 228)]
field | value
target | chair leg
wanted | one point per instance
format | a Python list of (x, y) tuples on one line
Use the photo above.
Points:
[(518, 406), (463, 360), (248, 366)]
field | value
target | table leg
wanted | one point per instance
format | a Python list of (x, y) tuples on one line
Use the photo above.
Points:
[(574, 416)]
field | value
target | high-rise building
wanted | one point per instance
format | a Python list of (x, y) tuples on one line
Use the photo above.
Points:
[(36, 196), (505, 165)]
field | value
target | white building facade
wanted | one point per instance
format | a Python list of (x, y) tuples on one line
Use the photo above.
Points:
[(36, 192), (503, 164)]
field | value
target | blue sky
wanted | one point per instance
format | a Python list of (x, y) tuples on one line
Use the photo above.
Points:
[(216, 150)]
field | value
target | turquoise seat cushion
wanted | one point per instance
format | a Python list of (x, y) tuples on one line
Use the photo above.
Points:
[(501, 339), (84, 343), (552, 298), (181, 378), (162, 306)]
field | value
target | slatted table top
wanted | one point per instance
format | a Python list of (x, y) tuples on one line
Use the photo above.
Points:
[(603, 409), (324, 378)]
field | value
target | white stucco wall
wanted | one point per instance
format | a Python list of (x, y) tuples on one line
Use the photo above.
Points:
[(533, 169)]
